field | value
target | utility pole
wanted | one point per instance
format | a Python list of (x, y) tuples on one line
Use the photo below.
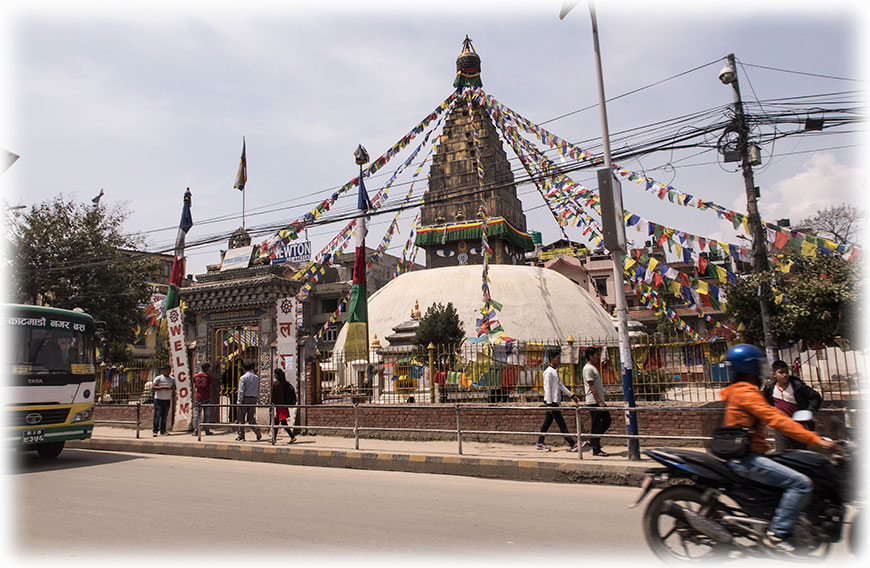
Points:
[(610, 193), (728, 76)]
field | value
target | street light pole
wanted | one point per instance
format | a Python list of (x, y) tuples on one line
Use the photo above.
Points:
[(728, 75), (617, 249)]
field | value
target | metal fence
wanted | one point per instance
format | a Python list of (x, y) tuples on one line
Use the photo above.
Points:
[(122, 384), (136, 423), (677, 371), (356, 425)]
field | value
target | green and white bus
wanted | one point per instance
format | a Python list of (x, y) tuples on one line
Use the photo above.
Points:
[(50, 357)]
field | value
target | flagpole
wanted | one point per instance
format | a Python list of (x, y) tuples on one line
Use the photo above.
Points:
[(361, 159), (245, 159), (357, 338), (242, 178)]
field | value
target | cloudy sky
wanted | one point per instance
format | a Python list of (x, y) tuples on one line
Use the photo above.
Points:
[(150, 99)]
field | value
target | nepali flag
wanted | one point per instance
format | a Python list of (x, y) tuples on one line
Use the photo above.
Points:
[(357, 340), (177, 274)]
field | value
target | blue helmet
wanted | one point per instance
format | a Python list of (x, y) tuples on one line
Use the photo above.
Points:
[(745, 358)]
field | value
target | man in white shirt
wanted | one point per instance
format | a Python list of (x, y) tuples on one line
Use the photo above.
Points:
[(595, 397), (553, 390), (162, 386), (249, 388)]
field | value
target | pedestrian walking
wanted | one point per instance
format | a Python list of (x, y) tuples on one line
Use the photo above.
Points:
[(162, 386), (249, 388), (790, 394), (283, 393), (595, 397), (553, 391), (202, 397)]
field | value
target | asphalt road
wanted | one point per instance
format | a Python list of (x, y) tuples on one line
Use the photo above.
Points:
[(91, 504)]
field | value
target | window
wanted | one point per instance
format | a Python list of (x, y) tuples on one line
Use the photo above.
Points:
[(331, 333), (328, 305), (601, 286)]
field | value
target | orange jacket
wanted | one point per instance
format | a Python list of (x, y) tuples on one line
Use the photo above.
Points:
[(746, 406)]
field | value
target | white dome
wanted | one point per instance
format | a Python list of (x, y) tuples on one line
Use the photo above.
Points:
[(537, 303)]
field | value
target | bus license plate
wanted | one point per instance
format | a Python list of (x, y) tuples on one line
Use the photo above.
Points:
[(33, 436)]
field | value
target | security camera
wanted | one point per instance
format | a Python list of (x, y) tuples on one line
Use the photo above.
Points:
[(727, 75)]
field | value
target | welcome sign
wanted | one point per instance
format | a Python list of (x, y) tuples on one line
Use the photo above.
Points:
[(180, 369)]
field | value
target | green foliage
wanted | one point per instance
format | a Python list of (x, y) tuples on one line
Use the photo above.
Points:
[(76, 255), (820, 300), (652, 385), (664, 326), (440, 326), (816, 301), (161, 349)]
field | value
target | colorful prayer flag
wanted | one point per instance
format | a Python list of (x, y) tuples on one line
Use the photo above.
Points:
[(177, 274), (356, 342)]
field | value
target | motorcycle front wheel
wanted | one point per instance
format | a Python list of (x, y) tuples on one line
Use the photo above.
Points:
[(670, 537)]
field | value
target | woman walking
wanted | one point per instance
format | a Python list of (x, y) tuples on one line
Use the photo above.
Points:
[(283, 394)]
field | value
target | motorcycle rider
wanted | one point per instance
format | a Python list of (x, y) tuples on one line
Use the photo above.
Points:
[(746, 406)]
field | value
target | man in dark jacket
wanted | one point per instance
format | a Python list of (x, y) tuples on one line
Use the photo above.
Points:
[(790, 394)]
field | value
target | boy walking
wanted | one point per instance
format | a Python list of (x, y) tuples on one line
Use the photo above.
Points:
[(595, 397)]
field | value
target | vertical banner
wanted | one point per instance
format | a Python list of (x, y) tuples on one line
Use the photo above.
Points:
[(180, 370), (286, 344)]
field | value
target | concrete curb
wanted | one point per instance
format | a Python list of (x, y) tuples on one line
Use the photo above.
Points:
[(629, 474)]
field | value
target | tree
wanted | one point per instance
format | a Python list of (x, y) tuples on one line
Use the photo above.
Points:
[(816, 301), (74, 255), (842, 223), (440, 326)]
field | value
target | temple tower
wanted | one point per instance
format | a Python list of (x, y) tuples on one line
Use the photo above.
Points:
[(450, 229)]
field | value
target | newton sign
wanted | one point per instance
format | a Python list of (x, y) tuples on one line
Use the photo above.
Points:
[(293, 252)]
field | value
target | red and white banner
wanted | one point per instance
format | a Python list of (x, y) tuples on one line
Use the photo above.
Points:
[(180, 369), (286, 343)]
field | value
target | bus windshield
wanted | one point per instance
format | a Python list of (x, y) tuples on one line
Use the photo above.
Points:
[(49, 345)]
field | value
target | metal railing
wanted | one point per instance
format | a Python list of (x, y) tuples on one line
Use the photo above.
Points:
[(459, 432), (135, 423)]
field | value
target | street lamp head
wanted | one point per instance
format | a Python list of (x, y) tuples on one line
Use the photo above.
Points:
[(727, 75)]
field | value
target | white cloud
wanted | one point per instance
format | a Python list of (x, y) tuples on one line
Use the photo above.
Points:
[(822, 182)]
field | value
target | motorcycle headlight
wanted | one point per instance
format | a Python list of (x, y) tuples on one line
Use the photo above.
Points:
[(83, 416)]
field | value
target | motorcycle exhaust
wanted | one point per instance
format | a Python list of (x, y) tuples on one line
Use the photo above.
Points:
[(703, 525)]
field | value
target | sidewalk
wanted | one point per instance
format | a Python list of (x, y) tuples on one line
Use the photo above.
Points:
[(478, 459)]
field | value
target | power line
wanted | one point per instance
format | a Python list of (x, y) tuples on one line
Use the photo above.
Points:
[(802, 73)]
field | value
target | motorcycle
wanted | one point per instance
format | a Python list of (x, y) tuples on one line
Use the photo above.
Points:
[(705, 511)]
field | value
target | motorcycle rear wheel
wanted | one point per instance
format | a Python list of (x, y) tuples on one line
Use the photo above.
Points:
[(671, 538)]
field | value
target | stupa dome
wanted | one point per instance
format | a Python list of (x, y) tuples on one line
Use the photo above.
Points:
[(538, 303)]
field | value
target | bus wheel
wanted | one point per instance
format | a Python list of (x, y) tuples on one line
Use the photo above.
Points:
[(50, 450)]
